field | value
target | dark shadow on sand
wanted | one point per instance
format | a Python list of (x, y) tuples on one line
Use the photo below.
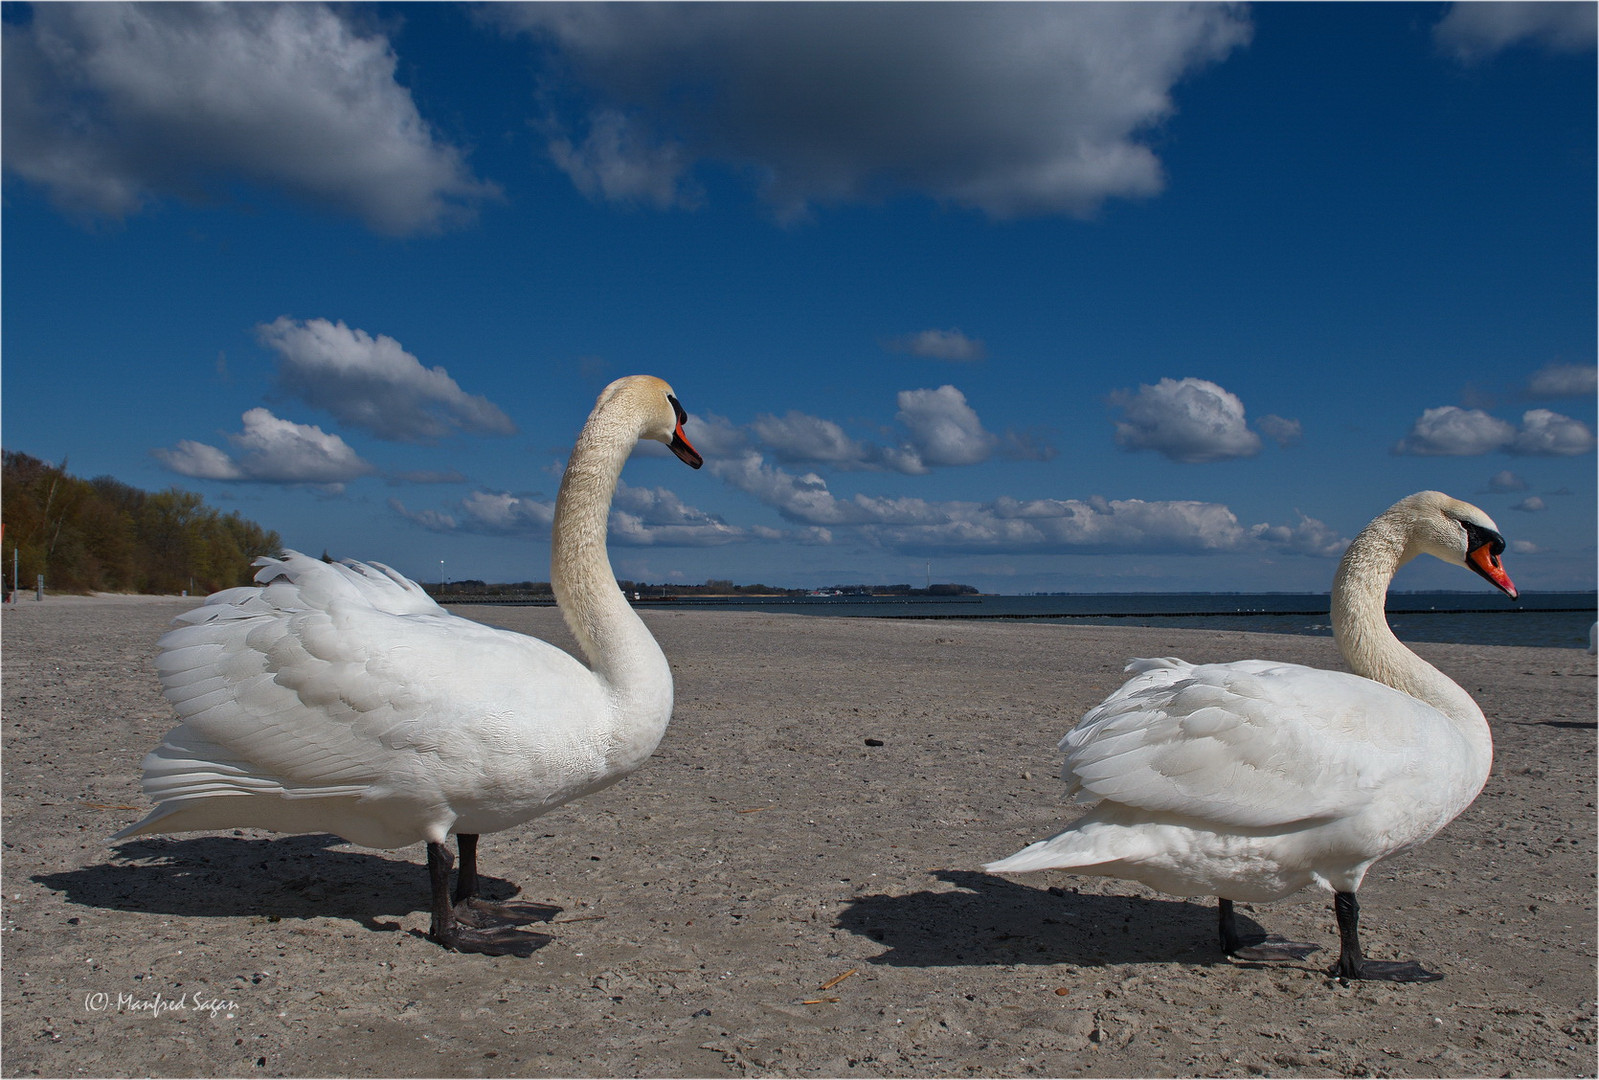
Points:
[(993, 920), (287, 877)]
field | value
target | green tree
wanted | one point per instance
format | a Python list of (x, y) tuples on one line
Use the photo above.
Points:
[(102, 534)]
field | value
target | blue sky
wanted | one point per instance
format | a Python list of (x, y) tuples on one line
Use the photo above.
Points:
[(1050, 297)]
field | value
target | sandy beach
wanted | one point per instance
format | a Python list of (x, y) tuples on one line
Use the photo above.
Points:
[(791, 887)]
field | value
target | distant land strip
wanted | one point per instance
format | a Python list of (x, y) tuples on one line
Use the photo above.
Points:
[(529, 600), (1251, 612)]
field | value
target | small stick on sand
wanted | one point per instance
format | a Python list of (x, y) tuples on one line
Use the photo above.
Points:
[(835, 980)]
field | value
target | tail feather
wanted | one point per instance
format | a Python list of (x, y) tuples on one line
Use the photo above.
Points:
[(1091, 841), (1043, 855)]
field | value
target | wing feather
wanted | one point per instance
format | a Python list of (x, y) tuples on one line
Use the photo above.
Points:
[(328, 680), (1247, 744)]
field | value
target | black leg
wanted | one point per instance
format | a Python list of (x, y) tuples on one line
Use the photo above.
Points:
[(1352, 963), (1257, 946), (466, 876), (455, 923), (1229, 927), (439, 862)]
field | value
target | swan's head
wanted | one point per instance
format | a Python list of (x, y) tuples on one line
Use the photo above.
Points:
[(1457, 532), (655, 408)]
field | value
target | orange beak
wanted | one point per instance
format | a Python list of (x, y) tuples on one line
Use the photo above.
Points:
[(1484, 561), (680, 445), (684, 451)]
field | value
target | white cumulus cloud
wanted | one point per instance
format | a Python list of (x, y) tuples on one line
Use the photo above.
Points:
[(944, 429), (271, 450), (1011, 109), (940, 428), (1450, 431), (372, 383), (1471, 31), (108, 106), (1505, 481), (1187, 420), (1549, 434)]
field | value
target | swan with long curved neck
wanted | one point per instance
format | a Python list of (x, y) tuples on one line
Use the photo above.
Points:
[(1251, 780), (340, 698)]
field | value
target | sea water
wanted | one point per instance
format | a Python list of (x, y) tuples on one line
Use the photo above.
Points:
[(1545, 620)]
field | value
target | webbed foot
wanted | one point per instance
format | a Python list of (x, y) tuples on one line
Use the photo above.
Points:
[(477, 912), (1273, 947), (1256, 946), (1352, 963), (490, 941)]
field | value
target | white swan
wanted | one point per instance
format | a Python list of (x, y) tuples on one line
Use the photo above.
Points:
[(1250, 780), (342, 699)]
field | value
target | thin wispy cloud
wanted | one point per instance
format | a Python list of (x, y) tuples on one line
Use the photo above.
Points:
[(1564, 380), (799, 437), (432, 520), (270, 450), (1279, 430), (1015, 525), (108, 107), (1476, 30), (618, 162), (426, 476), (373, 384), (949, 345), (640, 517), (1009, 109)]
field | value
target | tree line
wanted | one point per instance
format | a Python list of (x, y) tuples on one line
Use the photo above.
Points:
[(102, 535)]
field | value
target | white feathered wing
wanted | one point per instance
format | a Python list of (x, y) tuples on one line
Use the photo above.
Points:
[(1252, 779), (341, 697)]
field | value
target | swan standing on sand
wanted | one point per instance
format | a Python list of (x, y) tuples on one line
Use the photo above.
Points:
[(342, 699), (1248, 781)]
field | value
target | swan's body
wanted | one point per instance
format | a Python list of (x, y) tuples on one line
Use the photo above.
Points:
[(1251, 780), (340, 698)]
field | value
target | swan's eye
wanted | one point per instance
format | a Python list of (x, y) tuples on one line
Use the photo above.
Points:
[(682, 417)]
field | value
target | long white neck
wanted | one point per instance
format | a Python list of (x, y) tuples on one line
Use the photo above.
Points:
[(619, 647), (1369, 646)]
